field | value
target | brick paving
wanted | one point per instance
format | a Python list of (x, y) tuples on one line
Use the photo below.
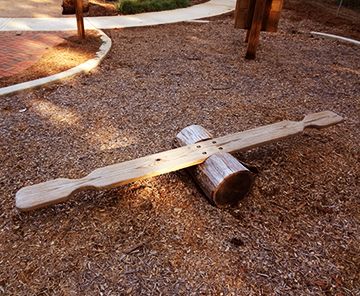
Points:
[(20, 50)]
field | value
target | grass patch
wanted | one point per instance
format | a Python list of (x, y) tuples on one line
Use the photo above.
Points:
[(139, 6)]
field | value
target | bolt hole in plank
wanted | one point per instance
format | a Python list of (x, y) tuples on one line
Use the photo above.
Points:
[(221, 148), (204, 153), (158, 159), (198, 146), (223, 179)]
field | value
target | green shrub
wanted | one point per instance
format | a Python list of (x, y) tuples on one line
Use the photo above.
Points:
[(139, 6)]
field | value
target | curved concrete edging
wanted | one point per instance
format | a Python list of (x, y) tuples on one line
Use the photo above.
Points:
[(82, 68), (204, 10), (199, 11), (336, 37)]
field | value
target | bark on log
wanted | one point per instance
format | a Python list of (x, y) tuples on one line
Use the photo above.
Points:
[(224, 180)]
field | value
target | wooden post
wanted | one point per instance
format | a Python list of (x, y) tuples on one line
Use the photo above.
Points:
[(222, 177), (255, 29), (80, 18), (247, 36), (338, 10)]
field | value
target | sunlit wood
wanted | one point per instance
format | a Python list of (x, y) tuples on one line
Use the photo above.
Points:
[(223, 179), (59, 190)]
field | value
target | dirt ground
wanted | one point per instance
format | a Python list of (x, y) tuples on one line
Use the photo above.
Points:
[(297, 233), (323, 17), (70, 53)]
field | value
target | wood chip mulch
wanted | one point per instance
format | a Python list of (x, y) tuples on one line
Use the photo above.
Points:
[(71, 52), (297, 233)]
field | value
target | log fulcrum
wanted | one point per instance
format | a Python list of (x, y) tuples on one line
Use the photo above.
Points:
[(223, 179)]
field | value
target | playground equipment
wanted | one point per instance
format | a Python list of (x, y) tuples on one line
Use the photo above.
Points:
[(77, 7), (223, 178), (256, 16)]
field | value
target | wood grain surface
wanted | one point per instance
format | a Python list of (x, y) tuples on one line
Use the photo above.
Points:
[(244, 13), (222, 177), (59, 190)]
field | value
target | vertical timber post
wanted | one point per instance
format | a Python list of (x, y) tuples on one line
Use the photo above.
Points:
[(247, 35), (256, 25), (80, 18)]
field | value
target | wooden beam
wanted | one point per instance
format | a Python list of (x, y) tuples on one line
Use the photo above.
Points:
[(256, 25), (80, 18), (272, 15), (59, 190), (244, 12), (247, 36)]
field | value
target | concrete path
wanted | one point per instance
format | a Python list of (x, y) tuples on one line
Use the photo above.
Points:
[(208, 9), (17, 57), (30, 8)]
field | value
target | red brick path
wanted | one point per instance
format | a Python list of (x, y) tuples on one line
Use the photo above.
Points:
[(20, 50)]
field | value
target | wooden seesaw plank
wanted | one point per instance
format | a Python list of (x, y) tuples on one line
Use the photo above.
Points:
[(59, 190)]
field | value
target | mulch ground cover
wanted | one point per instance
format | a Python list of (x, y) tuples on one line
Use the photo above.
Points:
[(298, 231), (72, 51)]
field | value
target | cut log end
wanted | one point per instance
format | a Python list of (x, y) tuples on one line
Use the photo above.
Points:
[(223, 179), (233, 189)]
